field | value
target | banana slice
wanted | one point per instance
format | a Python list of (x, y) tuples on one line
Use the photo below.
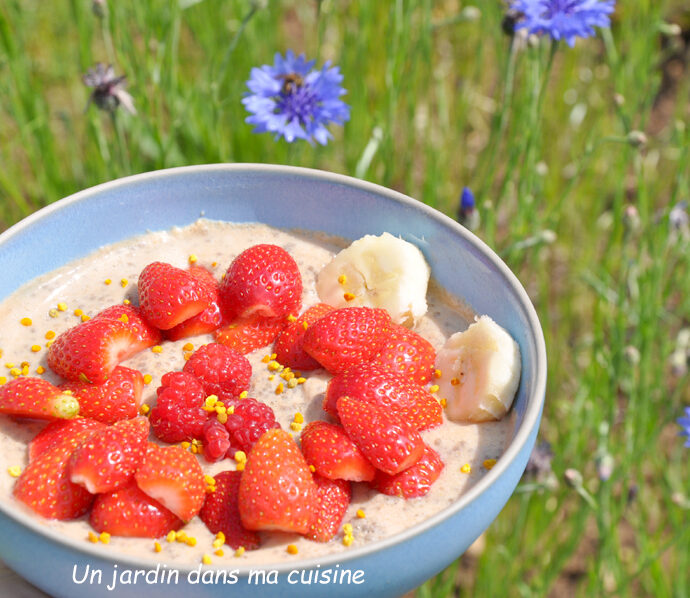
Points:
[(378, 271), (480, 372)]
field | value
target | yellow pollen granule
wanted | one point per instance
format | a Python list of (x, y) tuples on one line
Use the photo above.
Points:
[(206, 559), (444, 403), (292, 549), (35, 348), (40, 369), (274, 366), (274, 356), (466, 468), (312, 468), (219, 552), (104, 537), (25, 370), (144, 409), (301, 380), (85, 318), (292, 382), (3, 379), (244, 394), (347, 540), (240, 551), (26, 321), (181, 536), (360, 514), (172, 536), (148, 378), (220, 536), (489, 463), (123, 318), (157, 349), (342, 279), (124, 282), (10, 364), (434, 388), (15, 471), (93, 537), (210, 403), (188, 347), (185, 445), (348, 296), (222, 418), (53, 313), (220, 408), (266, 358), (271, 376), (50, 334), (209, 479), (192, 259), (15, 372), (240, 466), (187, 355), (157, 546), (280, 388), (126, 302), (62, 306), (190, 541), (437, 373), (107, 281), (295, 427), (217, 543), (305, 325), (299, 418), (291, 318), (454, 381), (78, 312), (240, 456), (347, 528)]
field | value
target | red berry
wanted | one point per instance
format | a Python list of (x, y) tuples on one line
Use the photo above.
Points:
[(223, 371), (407, 352), (289, 344), (207, 320), (216, 440), (173, 477), (389, 443), (170, 295), (330, 451), (262, 280), (277, 491), (392, 391), (221, 513), (248, 334), (329, 510), (415, 481), (109, 458), (178, 414), (249, 420), (347, 337), (70, 431), (143, 333), (130, 512), (36, 398), (117, 398)]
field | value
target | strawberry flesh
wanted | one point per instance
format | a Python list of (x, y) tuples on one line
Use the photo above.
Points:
[(408, 353), (333, 498), (36, 398), (289, 347), (415, 481), (71, 431)]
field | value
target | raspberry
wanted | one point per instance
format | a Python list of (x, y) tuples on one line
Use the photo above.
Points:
[(223, 372), (250, 419), (216, 440), (178, 414)]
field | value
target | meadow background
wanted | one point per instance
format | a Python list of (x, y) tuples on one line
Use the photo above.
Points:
[(578, 161)]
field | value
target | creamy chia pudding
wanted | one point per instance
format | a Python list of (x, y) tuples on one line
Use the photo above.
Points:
[(47, 306)]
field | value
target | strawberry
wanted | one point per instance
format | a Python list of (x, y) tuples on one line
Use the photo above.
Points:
[(332, 501), (36, 398), (170, 295), (207, 320), (178, 414), (221, 513), (333, 455), (248, 334), (117, 398), (346, 337), (415, 481), (73, 431), (392, 391), (223, 372), (289, 344), (263, 280), (109, 458), (91, 350), (389, 443), (277, 491), (130, 512), (409, 353), (144, 334), (172, 476)]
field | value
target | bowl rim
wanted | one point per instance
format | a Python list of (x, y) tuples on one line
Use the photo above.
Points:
[(531, 416)]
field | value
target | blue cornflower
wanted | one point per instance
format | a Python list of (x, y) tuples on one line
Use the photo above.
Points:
[(563, 19), (294, 100), (467, 215), (684, 422)]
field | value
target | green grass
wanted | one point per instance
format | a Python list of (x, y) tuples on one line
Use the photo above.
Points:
[(440, 100)]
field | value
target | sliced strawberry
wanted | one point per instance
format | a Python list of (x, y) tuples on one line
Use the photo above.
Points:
[(386, 440), (332, 502), (130, 512), (221, 513), (178, 414), (347, 337), (207, 320), (249, 334), (289, 344), (117, 398), (333, 455), (109, 458), (223, 372), (262, 280), (170, 295), (409, 353), (277, 491), (71, 431), (392, 391), (415, 481), (36, 398), (172, 476), (145, 335), (91, 350)]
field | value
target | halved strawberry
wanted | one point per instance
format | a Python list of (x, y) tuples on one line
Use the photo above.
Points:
[(407, 352), (392, 391), (207, 320), (91, 350), (70, 431), (389, 443), (332, 502), (144, 334), (130, 512), (262, 280), (333, 455), (172, 476), (36, 398), (221, 513), (248, 334), (415, 481), (289, 344), (277, 491), (223, 371), (109, 458), (117, 398), (170, 295), (347, 337)]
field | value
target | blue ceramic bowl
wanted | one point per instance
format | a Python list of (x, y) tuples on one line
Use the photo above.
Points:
[(289, 198)]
